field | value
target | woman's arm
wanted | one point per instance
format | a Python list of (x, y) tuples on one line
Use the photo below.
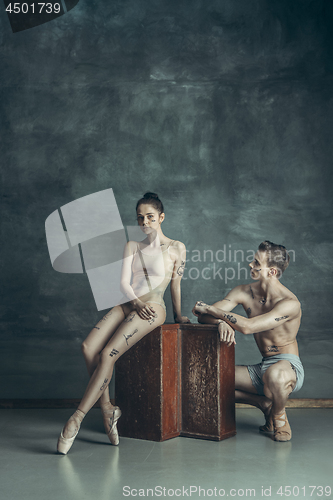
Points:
[(145, 311), (177, 274)]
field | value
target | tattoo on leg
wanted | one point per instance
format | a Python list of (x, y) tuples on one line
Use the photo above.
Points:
[(129, 335), (114, 352), (230, 318), (106, 316), (248, 311), (282, 317), (151, 321), (251, 292), (129, 318), (104, 384), (200, 303)]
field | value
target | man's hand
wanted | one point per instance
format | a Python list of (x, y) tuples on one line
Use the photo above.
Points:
[(227, 334), (182, 320), (200, 308)]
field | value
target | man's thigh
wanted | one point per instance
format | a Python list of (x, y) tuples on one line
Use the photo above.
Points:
[(243, 380)]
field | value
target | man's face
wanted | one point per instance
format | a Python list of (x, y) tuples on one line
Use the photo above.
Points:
[(259, 267)]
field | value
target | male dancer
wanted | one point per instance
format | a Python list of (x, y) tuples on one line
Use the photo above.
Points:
[(274, 316)]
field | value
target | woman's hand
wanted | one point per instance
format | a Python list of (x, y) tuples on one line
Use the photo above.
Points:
[(200, 308), (182, 320), (227, 334), (145, 311)]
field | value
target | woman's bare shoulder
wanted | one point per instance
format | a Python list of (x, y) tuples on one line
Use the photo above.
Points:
[(178, 249), (177, 245), (131, 247)]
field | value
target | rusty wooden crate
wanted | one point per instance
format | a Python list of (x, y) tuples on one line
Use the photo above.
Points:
[(148, 386), (208, 384), (178, 380)]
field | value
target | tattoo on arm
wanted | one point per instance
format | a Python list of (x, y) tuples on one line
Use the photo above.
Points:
[(180, 270), (227, 300), (104, 384), (129, 335), (230, 318), (248, 311), (114, 352), (251, 292), (96, 328), (282, 317)]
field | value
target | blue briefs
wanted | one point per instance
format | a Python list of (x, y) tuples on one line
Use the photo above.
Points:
[(256, 371)]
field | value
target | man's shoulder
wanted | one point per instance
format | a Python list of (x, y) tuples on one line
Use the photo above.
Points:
[(288, 296), (289, 305), (240, 291)]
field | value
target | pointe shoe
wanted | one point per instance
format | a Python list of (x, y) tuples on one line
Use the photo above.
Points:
[(281, 432), (110, 418), (268, 427), (65, 444)]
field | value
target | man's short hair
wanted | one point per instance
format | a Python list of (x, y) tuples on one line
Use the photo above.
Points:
[(277, 255)]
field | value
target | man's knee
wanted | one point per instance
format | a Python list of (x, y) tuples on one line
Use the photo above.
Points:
[(277, 378)]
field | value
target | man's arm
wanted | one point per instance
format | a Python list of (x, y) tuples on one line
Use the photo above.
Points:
[(231, 300), (226, 332), (284, 311)]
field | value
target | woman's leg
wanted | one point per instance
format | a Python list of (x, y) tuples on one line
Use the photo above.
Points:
[(130, 331), (97, 340), (91, 348)]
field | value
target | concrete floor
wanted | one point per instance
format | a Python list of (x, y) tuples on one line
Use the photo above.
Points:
[(247, 465)]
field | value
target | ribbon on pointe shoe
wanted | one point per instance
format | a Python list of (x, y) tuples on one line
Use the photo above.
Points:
[(110, 418), (282, 430), (65, 444)]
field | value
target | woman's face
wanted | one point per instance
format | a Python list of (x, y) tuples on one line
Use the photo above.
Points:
[(148, 218)]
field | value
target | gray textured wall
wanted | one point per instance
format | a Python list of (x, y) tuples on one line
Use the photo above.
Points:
[(224, 108)]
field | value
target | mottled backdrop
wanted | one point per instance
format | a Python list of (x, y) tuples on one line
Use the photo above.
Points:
[(222, 107)]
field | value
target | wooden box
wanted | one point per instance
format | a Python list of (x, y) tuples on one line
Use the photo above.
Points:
[(208, 384), (178, 380), (147, 386)]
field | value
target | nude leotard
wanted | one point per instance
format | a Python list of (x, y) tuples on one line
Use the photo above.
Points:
[(151, 274)]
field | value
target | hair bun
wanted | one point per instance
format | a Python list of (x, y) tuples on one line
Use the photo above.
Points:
[(150, 196)]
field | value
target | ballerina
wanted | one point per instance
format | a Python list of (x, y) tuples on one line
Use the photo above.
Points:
[(148, 267)]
